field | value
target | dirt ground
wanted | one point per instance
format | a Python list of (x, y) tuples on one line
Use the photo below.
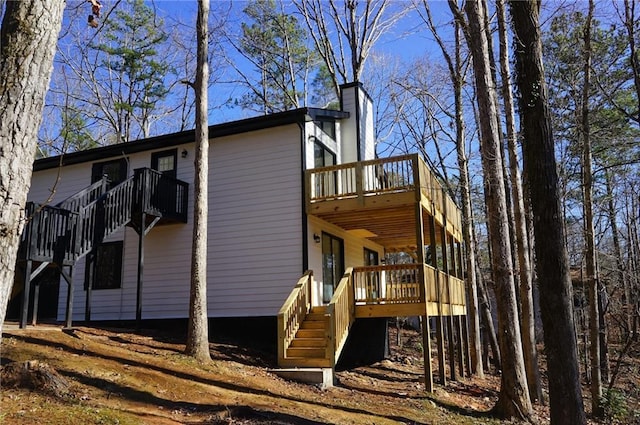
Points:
[(117, 376)]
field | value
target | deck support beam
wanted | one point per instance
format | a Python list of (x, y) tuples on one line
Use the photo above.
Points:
[(25, 295), (69, 311), (461, 362), (141, 235), (439, 324), (446, 256), (421, 254)]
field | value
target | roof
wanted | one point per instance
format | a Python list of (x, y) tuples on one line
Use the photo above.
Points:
[(174, 139)]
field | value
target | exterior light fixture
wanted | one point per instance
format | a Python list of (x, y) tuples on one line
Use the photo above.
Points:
[(184, 153), (316, 238)]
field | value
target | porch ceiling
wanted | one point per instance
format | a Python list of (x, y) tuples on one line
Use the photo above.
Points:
[(394, 227)]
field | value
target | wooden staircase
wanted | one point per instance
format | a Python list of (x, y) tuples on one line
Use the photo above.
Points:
[(309, 346)]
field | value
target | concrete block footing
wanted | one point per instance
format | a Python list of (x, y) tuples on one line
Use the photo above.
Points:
[(324, 377)]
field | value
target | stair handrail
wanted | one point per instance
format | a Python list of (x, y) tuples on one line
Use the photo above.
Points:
[(293, 312), (46, 233), (340, 316), (93, 229), (84, 197)]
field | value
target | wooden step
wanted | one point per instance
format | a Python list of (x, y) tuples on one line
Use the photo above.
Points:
[(306, 352), (304, 362), (310, 333), (321, 309), (315, 317), (308, 342), (312, 324)]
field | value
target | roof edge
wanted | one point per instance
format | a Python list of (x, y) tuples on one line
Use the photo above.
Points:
[(173, 139)]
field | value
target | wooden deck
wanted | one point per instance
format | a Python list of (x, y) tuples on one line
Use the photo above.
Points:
[(380, 196), (398, 203)]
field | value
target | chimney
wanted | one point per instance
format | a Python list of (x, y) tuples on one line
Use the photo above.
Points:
[(357, 132)]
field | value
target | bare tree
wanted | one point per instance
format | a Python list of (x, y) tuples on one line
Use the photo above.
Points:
[(514, 394), (358, 26), (456, 67), (28, 38), (198, 331), (552, 260), (589, 238), (527, 319)]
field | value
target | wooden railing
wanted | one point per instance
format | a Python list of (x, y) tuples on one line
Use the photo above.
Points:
[(379, 176), (293, 312), (160, 195), (87, 195), (104, 216), (394, 283), (340, 316), (47, 233), (362, 178)]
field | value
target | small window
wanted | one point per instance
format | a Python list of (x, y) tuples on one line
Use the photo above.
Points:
[(328, 127), (115, 170), (108, 272), (370, 257), (165, 162), (323, 157)]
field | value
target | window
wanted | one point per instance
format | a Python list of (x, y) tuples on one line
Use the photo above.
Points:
[(165, 162), (328, 127), (370, 257), (323, 157), (115, 170), (108, 271)]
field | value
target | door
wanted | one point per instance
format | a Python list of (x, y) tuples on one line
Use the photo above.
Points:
[(164, 190), (373, 279), (332, 264)]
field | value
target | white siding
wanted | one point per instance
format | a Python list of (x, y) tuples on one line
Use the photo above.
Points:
[(167, 250), (357, 102), (255, 219), (353, 251)]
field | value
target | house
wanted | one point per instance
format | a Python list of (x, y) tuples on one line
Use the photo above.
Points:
[(289, 192)]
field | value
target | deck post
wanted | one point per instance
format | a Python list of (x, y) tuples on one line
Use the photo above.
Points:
[(143, 218), (421, 254), (36, 296), (450, 335), (464, 347), (69, 312), (461, 365), (90, 264), (439, 325), (25, 295)]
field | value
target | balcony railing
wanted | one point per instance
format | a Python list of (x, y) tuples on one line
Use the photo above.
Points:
[(160, 195), (407, 173)]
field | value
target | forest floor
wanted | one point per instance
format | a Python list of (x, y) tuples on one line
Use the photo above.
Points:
[(116, 376)]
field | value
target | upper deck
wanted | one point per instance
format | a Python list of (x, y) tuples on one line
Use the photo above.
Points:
[(377, 199)]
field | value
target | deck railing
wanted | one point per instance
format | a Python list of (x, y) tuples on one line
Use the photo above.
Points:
[(160, 195), (104, 216), (340, 316), (380, 176), (393, 283), (87, 195), (47, 233), (293, 312)]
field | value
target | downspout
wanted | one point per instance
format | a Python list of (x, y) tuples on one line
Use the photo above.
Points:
[(305, 231)]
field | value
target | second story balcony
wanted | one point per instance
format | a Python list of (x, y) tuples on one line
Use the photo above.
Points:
[(378, 199)]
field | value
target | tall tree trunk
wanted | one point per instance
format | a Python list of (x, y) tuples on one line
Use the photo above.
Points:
[(589, 238), (556, 298), (527, 317), (455, 66), (617, 252), (28, 39), (487, 317), (514, 399), (198, 332)]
